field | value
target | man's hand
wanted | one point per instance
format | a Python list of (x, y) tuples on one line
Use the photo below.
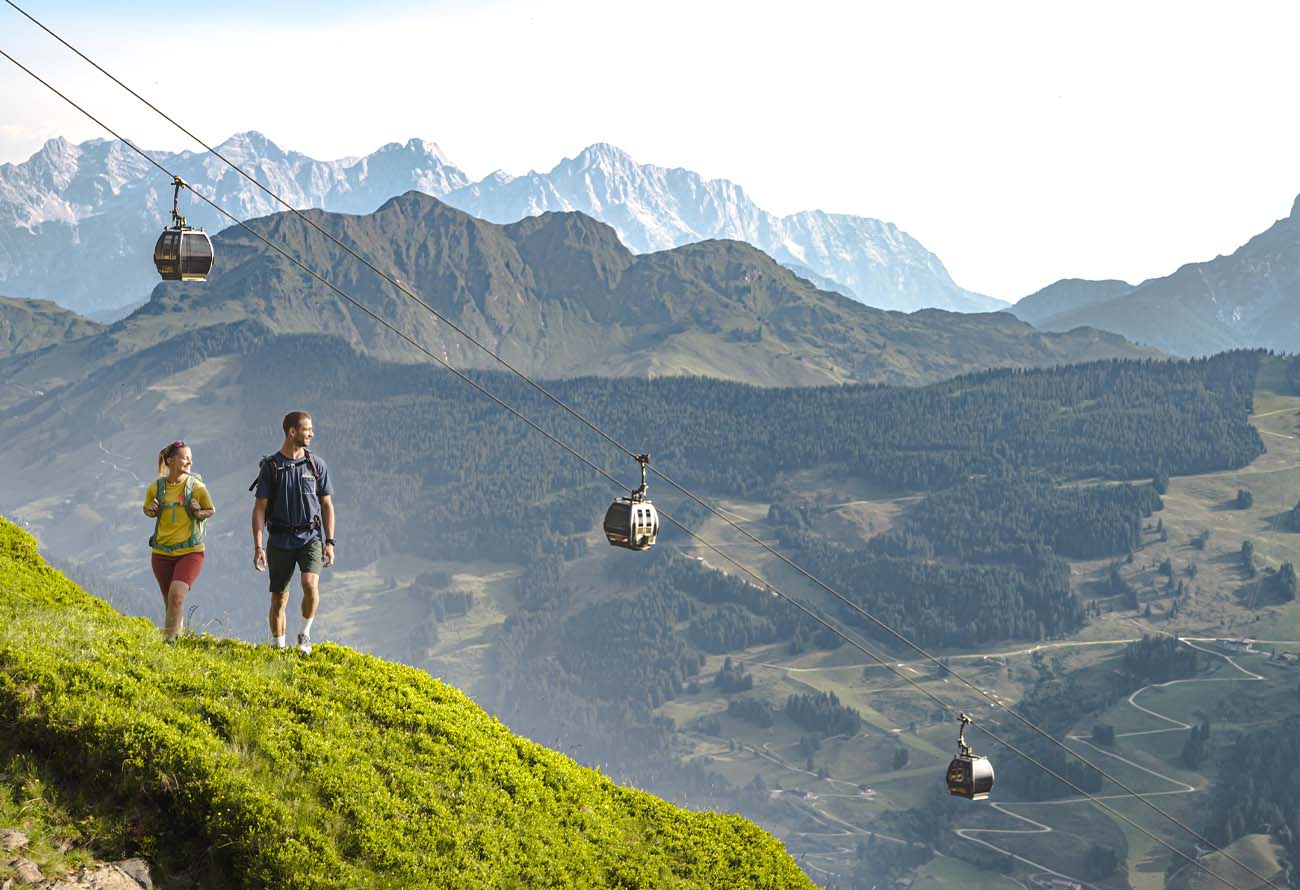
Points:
[(329, 555), (259, 559)]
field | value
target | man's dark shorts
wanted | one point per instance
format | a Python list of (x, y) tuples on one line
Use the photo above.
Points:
[(309, 559)]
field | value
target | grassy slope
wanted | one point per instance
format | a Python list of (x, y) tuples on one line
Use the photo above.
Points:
[(337, 771), (1258, 851)]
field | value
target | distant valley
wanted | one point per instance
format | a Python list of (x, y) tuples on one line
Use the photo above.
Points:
[(486, 567)]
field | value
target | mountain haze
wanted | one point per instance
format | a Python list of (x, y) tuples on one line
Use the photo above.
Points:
[(27, 325), (654, 208), (1249, 298), (558, 295), (1066, 295), (104, 204)]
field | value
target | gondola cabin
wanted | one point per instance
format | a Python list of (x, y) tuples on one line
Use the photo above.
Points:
[(970, 776), (183, 253), (631, 523)]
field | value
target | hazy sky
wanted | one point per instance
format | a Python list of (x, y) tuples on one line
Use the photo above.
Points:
[(1021, 142)]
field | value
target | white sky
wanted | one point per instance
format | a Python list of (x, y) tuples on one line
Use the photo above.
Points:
[(1021, 142)]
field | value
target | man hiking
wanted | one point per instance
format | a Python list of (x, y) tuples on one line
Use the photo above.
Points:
[(292, 500)]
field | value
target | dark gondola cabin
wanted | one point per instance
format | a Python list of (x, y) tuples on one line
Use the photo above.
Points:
[(632, 521), (183, 253), (969, 775)]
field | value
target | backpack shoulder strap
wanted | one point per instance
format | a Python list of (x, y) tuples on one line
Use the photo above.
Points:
[(159, 489), (275, 472), (315, 465), (197, 526)]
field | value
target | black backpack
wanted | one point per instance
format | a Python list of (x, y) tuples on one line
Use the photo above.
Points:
[(314, 519)]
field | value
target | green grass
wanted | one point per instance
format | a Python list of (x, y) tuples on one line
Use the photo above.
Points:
[(1257, 851), (338, 770), (30, 804), (944, 872)]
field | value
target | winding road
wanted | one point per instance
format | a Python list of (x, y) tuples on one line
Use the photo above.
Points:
[(1178, 786), (1034, 826)]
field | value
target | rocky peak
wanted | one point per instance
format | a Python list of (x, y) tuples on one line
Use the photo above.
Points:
[(604, 156), (251, 144)]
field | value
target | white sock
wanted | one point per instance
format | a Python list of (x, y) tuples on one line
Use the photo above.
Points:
[(279, 641), (306, 625)]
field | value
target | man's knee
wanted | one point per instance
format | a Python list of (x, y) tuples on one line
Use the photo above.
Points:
[(310, 582)]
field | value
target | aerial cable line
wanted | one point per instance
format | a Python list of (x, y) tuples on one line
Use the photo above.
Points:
[(573, 412), (810, 612), (600, 432)]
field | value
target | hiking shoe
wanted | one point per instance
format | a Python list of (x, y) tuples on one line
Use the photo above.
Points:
[(304, 644)]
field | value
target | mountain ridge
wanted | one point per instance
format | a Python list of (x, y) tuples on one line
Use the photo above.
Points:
[(559, 295), (1066, 295), (29, 325), (655, 208), (95, 198), (1249, 298)]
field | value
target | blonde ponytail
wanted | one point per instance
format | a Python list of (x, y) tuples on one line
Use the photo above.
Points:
[(167, 453)]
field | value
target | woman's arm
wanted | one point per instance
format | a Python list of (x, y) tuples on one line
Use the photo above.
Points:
[(201, 507)]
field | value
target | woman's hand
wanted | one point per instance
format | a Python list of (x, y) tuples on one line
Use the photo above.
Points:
[(151, 508), (197, 510)]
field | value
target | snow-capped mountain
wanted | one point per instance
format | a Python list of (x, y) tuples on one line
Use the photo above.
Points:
[(104, 204), (655, 208), (78, 222)]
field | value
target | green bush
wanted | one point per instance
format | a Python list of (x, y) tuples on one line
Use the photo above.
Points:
[(334, 771)]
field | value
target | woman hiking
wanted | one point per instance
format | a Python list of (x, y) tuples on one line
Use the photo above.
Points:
[(179, 502)]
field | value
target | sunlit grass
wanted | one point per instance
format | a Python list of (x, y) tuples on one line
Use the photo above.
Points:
[(337, 770)]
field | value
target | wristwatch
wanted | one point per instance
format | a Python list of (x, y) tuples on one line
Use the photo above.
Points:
[(329, 541)]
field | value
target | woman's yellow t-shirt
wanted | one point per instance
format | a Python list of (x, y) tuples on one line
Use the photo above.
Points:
[(173, 518)]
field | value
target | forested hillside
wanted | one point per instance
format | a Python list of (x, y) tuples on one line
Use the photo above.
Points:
[(1258, 795), (590, 644)]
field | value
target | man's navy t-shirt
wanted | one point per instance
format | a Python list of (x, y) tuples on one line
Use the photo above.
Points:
[(298, 490)]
